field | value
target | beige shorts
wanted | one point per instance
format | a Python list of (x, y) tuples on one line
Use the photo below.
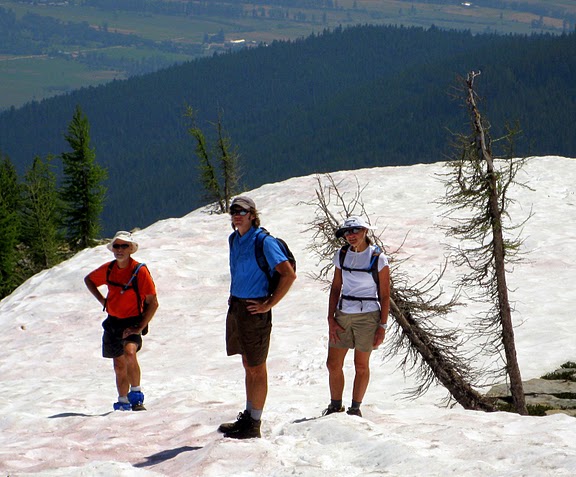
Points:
[(359, 330)]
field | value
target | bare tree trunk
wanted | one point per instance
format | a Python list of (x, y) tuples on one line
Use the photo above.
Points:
[(444, 371), (512, 367), (430, 354)]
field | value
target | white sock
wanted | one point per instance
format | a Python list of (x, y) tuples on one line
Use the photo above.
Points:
[(135, 389), (256, 414), (123, 399)]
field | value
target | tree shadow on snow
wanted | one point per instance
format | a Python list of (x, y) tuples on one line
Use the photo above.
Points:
[(72, 414), (305, 419), (165, 455)]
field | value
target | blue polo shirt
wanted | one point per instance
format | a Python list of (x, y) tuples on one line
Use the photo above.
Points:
[(248, 280)]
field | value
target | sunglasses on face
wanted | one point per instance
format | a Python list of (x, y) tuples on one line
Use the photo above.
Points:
[(352, 231), (241, 212), (123, 246)]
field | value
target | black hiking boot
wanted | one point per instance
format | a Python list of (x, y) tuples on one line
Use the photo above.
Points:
[(250, 430), (332, 409), (354, 411), (239, 424)]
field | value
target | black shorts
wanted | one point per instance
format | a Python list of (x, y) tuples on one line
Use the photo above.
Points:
[(112, 341), (248, 334)]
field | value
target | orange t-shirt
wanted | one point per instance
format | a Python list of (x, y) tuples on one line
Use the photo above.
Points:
[(123, 303)]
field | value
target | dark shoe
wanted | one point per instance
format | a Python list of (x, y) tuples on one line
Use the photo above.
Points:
[(239, 424), (332, 409), (354, 411), (249, 431), (138, 407)]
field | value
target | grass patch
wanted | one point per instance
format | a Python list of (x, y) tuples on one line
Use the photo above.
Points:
[(27, 79), (533, 409), (567, 372), (565, 395), (560, 376)]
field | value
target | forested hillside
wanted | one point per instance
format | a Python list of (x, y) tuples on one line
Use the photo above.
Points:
[(349, 98)]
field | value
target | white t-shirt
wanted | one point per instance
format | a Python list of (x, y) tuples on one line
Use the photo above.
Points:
[(359, 284)]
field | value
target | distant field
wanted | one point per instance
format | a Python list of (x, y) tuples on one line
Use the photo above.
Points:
[(26, 79), (34, 78)]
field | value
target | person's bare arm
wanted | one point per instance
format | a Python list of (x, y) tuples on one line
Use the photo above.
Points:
[(94, 290)]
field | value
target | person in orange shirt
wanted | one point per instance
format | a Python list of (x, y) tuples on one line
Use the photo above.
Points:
[(131, 303)]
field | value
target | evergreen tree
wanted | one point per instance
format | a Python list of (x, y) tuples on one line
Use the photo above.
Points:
[(220, 184), (208, 174), (10, 198), (229, 159), (41, 215), (83, 192)]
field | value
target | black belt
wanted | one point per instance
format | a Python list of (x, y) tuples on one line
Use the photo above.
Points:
[(245, 300)]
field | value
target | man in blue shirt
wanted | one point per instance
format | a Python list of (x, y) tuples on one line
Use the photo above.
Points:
[(249, 319)]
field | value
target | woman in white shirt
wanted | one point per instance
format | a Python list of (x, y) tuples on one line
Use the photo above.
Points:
[(357, 311)]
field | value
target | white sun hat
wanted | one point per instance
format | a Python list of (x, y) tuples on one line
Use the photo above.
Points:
[(353, 222), (126, 237)]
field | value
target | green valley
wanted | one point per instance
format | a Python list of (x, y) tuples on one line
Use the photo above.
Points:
[(51, 48)]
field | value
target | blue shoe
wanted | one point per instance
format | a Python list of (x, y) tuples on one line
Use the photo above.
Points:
[(136, 397), (122, 406)]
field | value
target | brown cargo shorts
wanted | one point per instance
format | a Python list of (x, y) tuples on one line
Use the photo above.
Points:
[(247, 334)]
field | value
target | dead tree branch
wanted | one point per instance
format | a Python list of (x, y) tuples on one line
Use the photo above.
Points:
[(431, 355)]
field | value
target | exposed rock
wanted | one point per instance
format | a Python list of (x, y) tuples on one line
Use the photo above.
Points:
[(559, 395), (537, 386)]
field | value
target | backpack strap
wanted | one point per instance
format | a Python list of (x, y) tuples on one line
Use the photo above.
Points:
[(372, 269), (134, 279), (258, 249), (132, 283)]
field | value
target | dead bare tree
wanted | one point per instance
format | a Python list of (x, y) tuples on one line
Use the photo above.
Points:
[(431, 354), (477, 197)]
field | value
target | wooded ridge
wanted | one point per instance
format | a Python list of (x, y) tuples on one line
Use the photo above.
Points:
[(347, 98)]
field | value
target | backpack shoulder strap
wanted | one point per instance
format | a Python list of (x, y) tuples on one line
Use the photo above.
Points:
[(110, 282), (343, 252), (259, 251), (132, 283), (109, 269), (134, 280), (374, 267)]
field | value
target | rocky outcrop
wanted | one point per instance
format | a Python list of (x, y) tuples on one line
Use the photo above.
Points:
[(559, 395)]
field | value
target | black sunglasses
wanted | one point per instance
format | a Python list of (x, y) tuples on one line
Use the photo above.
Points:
[(241, 212), (352, 231), (121, 245)]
